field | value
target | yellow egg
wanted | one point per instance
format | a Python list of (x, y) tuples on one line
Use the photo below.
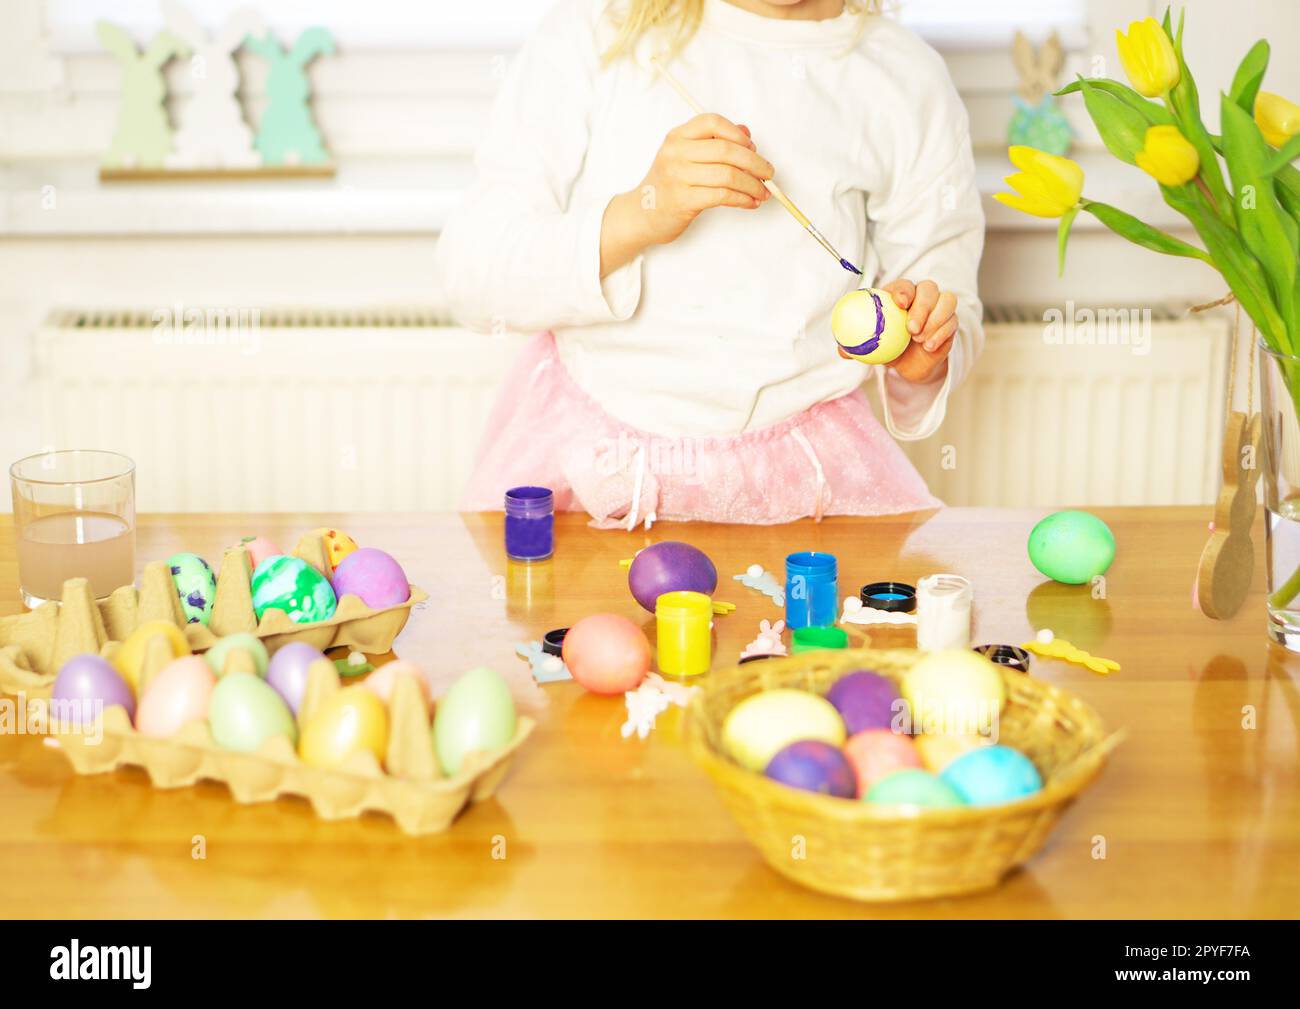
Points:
[(128, 659), (337, 544), (870, 326), (938, 751), (350, 721), (954, 692), (759, 726)]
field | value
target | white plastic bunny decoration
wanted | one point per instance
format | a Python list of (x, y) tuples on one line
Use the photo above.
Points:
[(212, 132)]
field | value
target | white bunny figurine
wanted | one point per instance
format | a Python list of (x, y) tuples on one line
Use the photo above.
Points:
[(212, 132)]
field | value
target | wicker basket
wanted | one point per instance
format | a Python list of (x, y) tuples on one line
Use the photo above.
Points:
[(878, 853)]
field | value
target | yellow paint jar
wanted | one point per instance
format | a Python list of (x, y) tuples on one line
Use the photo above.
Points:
[(684, 621)]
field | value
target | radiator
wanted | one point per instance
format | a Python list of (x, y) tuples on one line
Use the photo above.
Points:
[(284, 410), (1048, 418)]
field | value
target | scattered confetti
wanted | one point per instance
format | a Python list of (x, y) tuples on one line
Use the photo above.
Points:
[(768, 641), (1059, 648), (545, 668), (856, 613), (1046, 635), (765, 582)]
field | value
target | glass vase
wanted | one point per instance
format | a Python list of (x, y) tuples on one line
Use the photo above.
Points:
[(1279, 383)]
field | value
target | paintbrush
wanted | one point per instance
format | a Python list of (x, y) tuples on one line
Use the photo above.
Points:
[(770, 184)]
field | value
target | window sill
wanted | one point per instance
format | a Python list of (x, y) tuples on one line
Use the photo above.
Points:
[(46, 199)]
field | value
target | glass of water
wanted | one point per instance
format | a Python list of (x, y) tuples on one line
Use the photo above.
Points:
[(74, 517)]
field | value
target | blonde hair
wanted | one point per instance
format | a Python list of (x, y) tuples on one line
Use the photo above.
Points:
[(678, 20)]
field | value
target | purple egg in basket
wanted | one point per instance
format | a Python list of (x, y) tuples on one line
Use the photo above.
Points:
[(670, 567), (287, 672), (814, 766), (865, 700), (85, 687), (373, 576)]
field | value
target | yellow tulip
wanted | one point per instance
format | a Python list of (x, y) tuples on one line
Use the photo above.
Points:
[(1168, 157), (1045, 186), (1278, 119), (1148, 57)]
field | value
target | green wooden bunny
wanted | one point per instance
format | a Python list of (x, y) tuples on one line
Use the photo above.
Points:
[(288, 133), (143, 136)]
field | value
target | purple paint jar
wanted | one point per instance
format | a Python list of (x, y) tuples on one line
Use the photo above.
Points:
[(530, 523)]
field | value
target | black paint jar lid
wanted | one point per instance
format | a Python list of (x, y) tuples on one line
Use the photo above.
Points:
[(892, 597), (1011, 656), (758, 658), (553, 641)]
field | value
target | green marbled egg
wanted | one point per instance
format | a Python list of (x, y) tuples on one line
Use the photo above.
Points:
[(1072, 547), (195, 584), (294, 586)]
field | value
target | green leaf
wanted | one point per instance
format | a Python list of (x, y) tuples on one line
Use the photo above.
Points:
[(1249, 76), (1140, 233), (1063, 237), (1242, 271), (1154, 113), (1185, 102), (1122, 128), (1287, 153), (1269, 232)]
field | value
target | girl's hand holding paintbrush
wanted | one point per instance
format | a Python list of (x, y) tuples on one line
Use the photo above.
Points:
[(706, 162)]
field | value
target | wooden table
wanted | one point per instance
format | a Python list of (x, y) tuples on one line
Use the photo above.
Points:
[(1199, 816)]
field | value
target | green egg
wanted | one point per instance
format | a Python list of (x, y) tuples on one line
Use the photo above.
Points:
[(476, 715), (1072, 547), (913, 787), (216, 655), (294, 586), (245, 712), (195, 584)]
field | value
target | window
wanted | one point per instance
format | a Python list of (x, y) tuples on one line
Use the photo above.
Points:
[(979, 23)]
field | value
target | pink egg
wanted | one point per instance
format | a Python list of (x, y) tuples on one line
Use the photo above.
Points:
[(178, 695), (259, 549), (607, 653), (373, 576), (875, 753), (383, 679)]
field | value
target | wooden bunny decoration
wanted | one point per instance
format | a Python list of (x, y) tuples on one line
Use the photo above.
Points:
[(1228, 560), (1037, 121), (143, 136), (212, 132), (288, 133)]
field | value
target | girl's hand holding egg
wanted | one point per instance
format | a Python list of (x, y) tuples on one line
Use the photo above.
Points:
[(931, 322), (706, 162)]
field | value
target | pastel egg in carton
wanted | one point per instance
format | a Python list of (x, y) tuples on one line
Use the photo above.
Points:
[(410, 787), (34, 646)]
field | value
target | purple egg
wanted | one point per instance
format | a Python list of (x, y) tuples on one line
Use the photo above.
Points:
[(865, 700), (670, 567), (373, 576), (85, 687), (287, 672), (814, 766)]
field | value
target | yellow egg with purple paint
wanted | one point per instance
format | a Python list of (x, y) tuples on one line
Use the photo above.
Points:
[(870, 326)]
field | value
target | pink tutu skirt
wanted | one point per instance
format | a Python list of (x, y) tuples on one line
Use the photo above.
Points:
[(833, 459)]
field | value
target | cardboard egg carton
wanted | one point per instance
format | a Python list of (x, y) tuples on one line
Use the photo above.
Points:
[(410, 787), (34, 646)]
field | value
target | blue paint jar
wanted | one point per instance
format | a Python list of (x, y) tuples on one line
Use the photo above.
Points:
[(530, 523), (811, 592)]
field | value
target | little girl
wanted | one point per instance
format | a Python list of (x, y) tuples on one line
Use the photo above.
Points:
[(684, 366)]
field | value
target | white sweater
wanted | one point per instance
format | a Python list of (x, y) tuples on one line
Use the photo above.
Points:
[(727, 329)]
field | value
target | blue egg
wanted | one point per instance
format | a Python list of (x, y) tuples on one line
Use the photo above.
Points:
[(991, 775)]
